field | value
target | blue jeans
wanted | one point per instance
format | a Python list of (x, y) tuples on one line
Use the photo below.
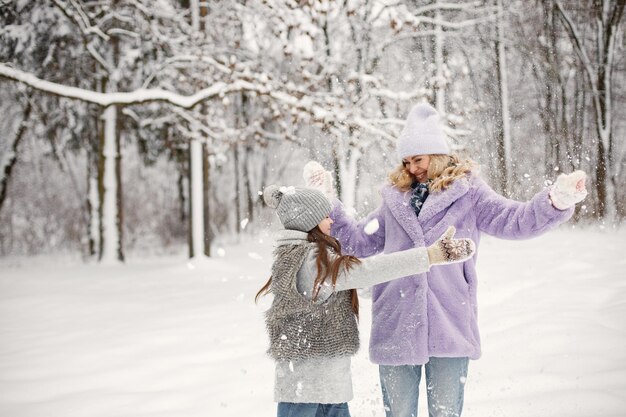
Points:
[(313, 410), (445, 383)]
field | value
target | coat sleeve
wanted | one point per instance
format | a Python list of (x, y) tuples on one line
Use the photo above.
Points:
[(371, 271), (510, 219), (358, 238)]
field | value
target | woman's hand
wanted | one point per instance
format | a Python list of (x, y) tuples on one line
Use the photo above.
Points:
[(568, 190), (315, 176), (448, 250)]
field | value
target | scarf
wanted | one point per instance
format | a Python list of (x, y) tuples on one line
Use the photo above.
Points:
[(419, 195)]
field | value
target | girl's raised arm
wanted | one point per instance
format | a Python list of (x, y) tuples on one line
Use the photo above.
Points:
[(358, 238)]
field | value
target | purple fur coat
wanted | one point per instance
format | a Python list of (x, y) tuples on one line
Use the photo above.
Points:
[(435, 313)]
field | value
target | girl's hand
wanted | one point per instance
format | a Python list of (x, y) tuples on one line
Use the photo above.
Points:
[(315, 176), (448, 250), (568, 190)]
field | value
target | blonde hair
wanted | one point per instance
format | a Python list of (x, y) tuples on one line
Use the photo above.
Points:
[(442, 171)]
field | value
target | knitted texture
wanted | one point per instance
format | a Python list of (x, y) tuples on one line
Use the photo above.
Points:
[(302, 329), (422, 133), (298, 208)]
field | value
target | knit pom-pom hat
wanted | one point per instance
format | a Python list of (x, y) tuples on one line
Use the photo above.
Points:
[(298, 208), (422, 133)]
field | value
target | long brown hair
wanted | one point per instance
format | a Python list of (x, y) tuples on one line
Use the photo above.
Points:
[(442, 171), (325, 268)]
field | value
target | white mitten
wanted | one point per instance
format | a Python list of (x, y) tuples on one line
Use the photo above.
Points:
[(568, 190), (315, 176), (447, 249)]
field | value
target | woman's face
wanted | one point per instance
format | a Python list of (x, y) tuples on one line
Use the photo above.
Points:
[(417, 165), (324, 225)]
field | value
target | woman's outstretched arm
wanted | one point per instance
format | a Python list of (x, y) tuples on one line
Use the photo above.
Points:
[(510, 219)]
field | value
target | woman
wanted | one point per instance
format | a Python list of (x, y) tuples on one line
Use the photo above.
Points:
[(312, 320), (430, 320)]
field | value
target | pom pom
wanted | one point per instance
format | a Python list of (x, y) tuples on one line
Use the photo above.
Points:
[(287, 190), (272, 195)]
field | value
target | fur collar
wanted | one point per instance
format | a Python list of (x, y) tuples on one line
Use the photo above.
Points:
[(398, 202), (441, 200)]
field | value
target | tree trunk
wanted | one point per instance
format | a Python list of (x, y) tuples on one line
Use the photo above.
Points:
[(237, 173), (336, 169), (245, 168), (8, 168), (601, 179), (504, 131), (196, 170), (119, 195), (250, 194), (182, 183), (93, 218), (190, 200), (108, 186), (196, 199), (208, 231), (348, 174)]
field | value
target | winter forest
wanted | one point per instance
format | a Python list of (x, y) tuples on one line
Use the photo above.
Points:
[(146, 125), (133, 132)]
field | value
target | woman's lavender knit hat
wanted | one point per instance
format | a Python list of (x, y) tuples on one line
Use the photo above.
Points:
[(298, 208), (422, 133)]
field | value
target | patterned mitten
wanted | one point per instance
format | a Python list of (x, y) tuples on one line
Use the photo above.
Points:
[(447, 250), (568, 190), (315, 176)]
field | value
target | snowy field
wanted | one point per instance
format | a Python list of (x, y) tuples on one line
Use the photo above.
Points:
[(168, 337)]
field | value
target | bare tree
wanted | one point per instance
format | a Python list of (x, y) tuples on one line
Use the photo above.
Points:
[(10, 156), (596, 50)]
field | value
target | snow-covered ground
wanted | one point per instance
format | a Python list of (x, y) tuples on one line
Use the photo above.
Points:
[(168, 337)]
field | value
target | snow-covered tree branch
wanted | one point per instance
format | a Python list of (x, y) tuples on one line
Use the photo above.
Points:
[(225, 97)]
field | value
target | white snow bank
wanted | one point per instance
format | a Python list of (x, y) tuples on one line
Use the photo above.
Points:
[(170, 337)]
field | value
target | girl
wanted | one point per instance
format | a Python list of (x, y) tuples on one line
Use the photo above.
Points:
[(436, 326), (312, 321)]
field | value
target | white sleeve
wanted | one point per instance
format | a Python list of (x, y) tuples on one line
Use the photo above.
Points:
[(371, 271)]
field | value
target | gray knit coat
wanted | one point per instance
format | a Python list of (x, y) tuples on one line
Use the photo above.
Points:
[(300, 328)]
